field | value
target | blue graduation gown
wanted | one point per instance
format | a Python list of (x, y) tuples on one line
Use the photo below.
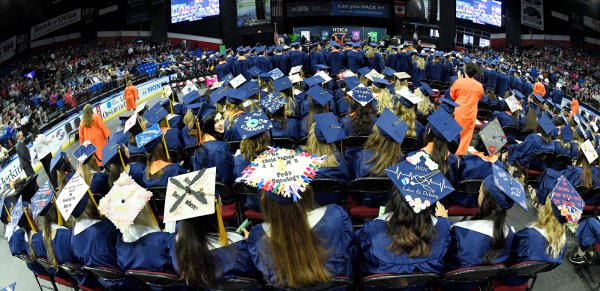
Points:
[(335, 62), (418, 75), (263, 64), (18, 246), (471, 240), (215, 153), (502, 85), (61, 244), (251, 202), (434, 71), (316, 58), (492, 79), (392, 62), (223, 70), (358, 167), (516, 83), (187, 139), (374, 257), (282, 62), (336, 235), (230, 133), (340, 173), (137, 171), (232, 260), (471, 167), (523, 152), (405, 63), (176, 121), (556, 96), (291, 131), (549, 177), (354, 61), (297, 58), (135, 255), (169, 171), (241, 67), (447, 72), (588, 232), (375, 63), (99, 183), (172, 138), (572, 151)]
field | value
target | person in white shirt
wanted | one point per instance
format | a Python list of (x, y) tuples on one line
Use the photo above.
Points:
[(41, 145)]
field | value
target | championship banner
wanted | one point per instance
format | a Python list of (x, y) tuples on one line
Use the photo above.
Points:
[(8, 49), (55, 23), (532, 13)]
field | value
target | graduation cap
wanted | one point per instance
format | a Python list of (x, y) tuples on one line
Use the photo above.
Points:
[(148, 135), (391, 126), (493, 137), (589, 151), (254, 72), (443, 126), (425, 89), (324, 76), (321, 67), (320, 95), (58, 160), (125, 200), (539, 98), (84, 152), (402, 75), (273, 101), (282, 173), (16, 214), (408, 99), (328, 128), (364, 71), (155, 114), (448, 105), (191, 195), (438, 54), (252, 123), (141, 108), (419, 181), (72, 199), (352, 82), (334, 44), (218, 95), (264, 76), (205, 110), (513, 103), (505, 189), (374, 74), (372, 44), (190, 97), (129, 123), (314, 80), (380, 82), (546, 124), (282, 83), (237, 96), (237, 81), (295, 44), (110, 151), (362, 94), (568, 205), (41, 200), (226, 79), (567, 133), (388, 72), (356, 44), (296, 78), (295, 70)]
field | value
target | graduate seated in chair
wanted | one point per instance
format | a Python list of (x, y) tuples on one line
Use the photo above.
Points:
[(90, 171), (20, 230), (158, 115), (406, 110), (521, 154), (588, 237), (279, 107)]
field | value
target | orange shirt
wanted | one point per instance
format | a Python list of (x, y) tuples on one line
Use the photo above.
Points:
[(574, 107), (131, 96), (97, 134), (467, 92), (538, 88)]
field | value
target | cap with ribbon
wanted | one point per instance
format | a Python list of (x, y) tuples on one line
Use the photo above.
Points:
[(328, 128), (84, 152), (443, 126), (391, 126)]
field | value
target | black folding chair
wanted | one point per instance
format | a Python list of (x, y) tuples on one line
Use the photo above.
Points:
[(45, 277), (283, 142), (61, 277), (76, 271), (398, 281), (357, 141), (529, 270), (337, 283), (105, 273), (244, 191), (480, 275), (328, 191), (360, 188), (158, 201), (155, 280), (410, 144), (468, 187), (532, 175)]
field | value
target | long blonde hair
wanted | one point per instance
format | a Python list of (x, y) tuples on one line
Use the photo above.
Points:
[(384, 99), (555, 230), (424, 106), (370, 52), (387, 152), (409, 116), (316, 147), (87, 116), (420, 63), (400, 84), (253, 146), (87, 169)]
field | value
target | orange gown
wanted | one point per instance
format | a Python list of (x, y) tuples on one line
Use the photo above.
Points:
[(538, 88), (574, 107), (466, 92), (131, 96), (97, 134)]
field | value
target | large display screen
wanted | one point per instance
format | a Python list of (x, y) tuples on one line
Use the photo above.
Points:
[(480, 11), (192, 10), (253, 12)]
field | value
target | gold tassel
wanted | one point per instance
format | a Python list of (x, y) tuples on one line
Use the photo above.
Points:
[(167, 120), (198, 131), (222, 233), (92, 197), (60, 219), (166, 148), (121, 156), (171, 106), (152, 214), (7, 212), (31, 224)]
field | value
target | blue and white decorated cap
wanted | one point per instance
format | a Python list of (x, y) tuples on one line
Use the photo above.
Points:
[(252, 123), (41, 200), (567, 204), (420, 181), (408, 99), (567, 133), (254, 72), (391, 126), (205, 110), (505, 189), (362, 94), (546, 124), (425, 89), (314, 80), (328, 128), (84, 152), (227, 79), (155, 114), (282, 83), (388, 72), (218, 94), (57, 160), (17, 212), (148, 135), (319, 95), (191, 97), (380, 82), (518, 94), (273, 101), (443, 126), (352, 82)]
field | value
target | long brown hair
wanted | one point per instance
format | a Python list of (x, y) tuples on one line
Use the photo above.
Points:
[(87, 116), (387, 152), (316, 147), (491, 210), (586, 171), (252, 147), (196, 264), (88, 167), (411, 232), (50, 218), (296, 246), (360, 117), (439, 153), (157, 154), (530, 120)]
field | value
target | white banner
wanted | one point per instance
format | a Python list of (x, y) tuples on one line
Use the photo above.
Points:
[(109, 108), (55, 23), (532, 13), (8, 49)]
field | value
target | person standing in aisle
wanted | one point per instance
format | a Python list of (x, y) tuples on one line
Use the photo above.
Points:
[(131, 96), (467, 92)]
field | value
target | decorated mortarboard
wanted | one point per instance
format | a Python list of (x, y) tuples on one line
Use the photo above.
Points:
[(296, 78), (141, 107), (125, 200), (408, 99), (364, 71), (130, 122), (227, 79), (493, 137), (155, 114), (443, 125), (589, 151), (237, 81), (252, 123), (187, 89), (148, 135), (380, 82), (425, 89), (346, 74), (352, 82), (254, 72), (321, 67), (546, 124), (402, 75), (283, 173), (41, 200), (190, 195), (57, 160), (273, 101), (71, 194), (190, 97), (568, 205), (567, 133), (448, 105), (388, 72), (282, 83), (362, 94), (10, 287), (325, 77), (84, 152), (513, 103), (505, 189), (319, 95), (296, 70), (420, 181), (372, 75), (391, 126), (328, 128), (314, 80)]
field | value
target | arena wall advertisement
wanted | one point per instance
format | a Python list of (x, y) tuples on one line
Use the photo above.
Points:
[(109, 108), (55, 23)]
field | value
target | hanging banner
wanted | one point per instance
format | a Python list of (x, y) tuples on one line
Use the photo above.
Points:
[(532, 13), (137, 11), (360, 8), (8, 49), (56, 23)]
